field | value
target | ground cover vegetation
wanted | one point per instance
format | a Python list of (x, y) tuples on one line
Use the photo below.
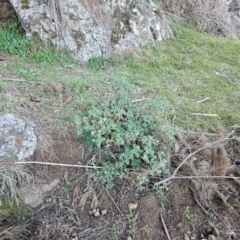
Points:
[(126, 109)]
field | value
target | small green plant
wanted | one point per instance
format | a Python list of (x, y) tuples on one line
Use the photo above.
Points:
[(115, 232), (99, 63), (123, 136), (65, 187), (13, 41), (147, 228), (132, 217), (161, 192), (189, 215)]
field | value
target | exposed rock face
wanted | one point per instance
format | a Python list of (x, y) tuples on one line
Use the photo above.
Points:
[(17, 138), (6, 12), (91, 28)]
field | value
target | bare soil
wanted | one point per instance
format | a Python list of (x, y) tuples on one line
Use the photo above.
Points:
[(65, 213)]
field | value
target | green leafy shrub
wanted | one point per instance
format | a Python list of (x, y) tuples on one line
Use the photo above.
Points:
[(13, 41), (124, 136)]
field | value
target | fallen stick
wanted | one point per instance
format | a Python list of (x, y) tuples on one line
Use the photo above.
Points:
[(217, 73), (139, 100), (20, 80), (188, 157), (205, 114), (58, 164), (113, 201), (175, 16), (165, 227), (204, 133), (202, 100)]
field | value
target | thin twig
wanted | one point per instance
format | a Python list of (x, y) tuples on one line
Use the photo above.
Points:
[(222, 75), (20, 80), (202, 100), (200, 205), (175, 16), (188, 157), (113, 201), (194, 177), (139, 100), (58, 164), (204, 133), (165, 227), (205, 114)]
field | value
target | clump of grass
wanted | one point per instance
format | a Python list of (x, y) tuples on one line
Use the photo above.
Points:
[(182, 71), (14, 41), (11, 178)]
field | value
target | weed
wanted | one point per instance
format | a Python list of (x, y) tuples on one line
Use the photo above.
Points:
[(65, 187), (99, 63), (115, 232), (123, 136), (132, 217), (161, 193), (13, 41), (189, 215), (147, 228)]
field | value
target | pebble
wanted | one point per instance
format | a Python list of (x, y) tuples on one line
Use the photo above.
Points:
[(132, 206), (201, 236), (215, 232), (211, 237), (128, 238), (90, 212), (97, 214), (104, 212), (186, 237), (208, 230)]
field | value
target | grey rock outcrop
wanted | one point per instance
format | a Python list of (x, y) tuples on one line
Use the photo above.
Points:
[(17, 138), (93, 28)]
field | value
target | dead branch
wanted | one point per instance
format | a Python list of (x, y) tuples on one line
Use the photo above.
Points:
[(20, 80), (204, 133), (113, 201), (222, 75), (205, 114), (165, 227), (170, 14), (199, 101), (139, 100), (188, 157), (58, 164)]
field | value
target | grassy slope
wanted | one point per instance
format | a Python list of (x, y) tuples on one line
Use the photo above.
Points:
[(179, 70)]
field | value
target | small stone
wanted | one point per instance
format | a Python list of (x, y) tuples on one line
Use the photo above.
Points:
[(201, 236), (48, 200), (94, 210), (104, 212), (211, 237), (132, 206), (74, 234), (128, 238), (215, 232), (90, 212), (192, 238), (208, 230), (96, 214), (186, 237)]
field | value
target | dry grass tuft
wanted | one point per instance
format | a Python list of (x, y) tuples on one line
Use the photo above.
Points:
[(18, 231), (220, 161)]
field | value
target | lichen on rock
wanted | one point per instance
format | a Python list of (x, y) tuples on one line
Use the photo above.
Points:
[(17, 138), (93, 28)]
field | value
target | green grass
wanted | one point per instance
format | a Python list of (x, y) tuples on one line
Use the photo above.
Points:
[(180, 71)]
